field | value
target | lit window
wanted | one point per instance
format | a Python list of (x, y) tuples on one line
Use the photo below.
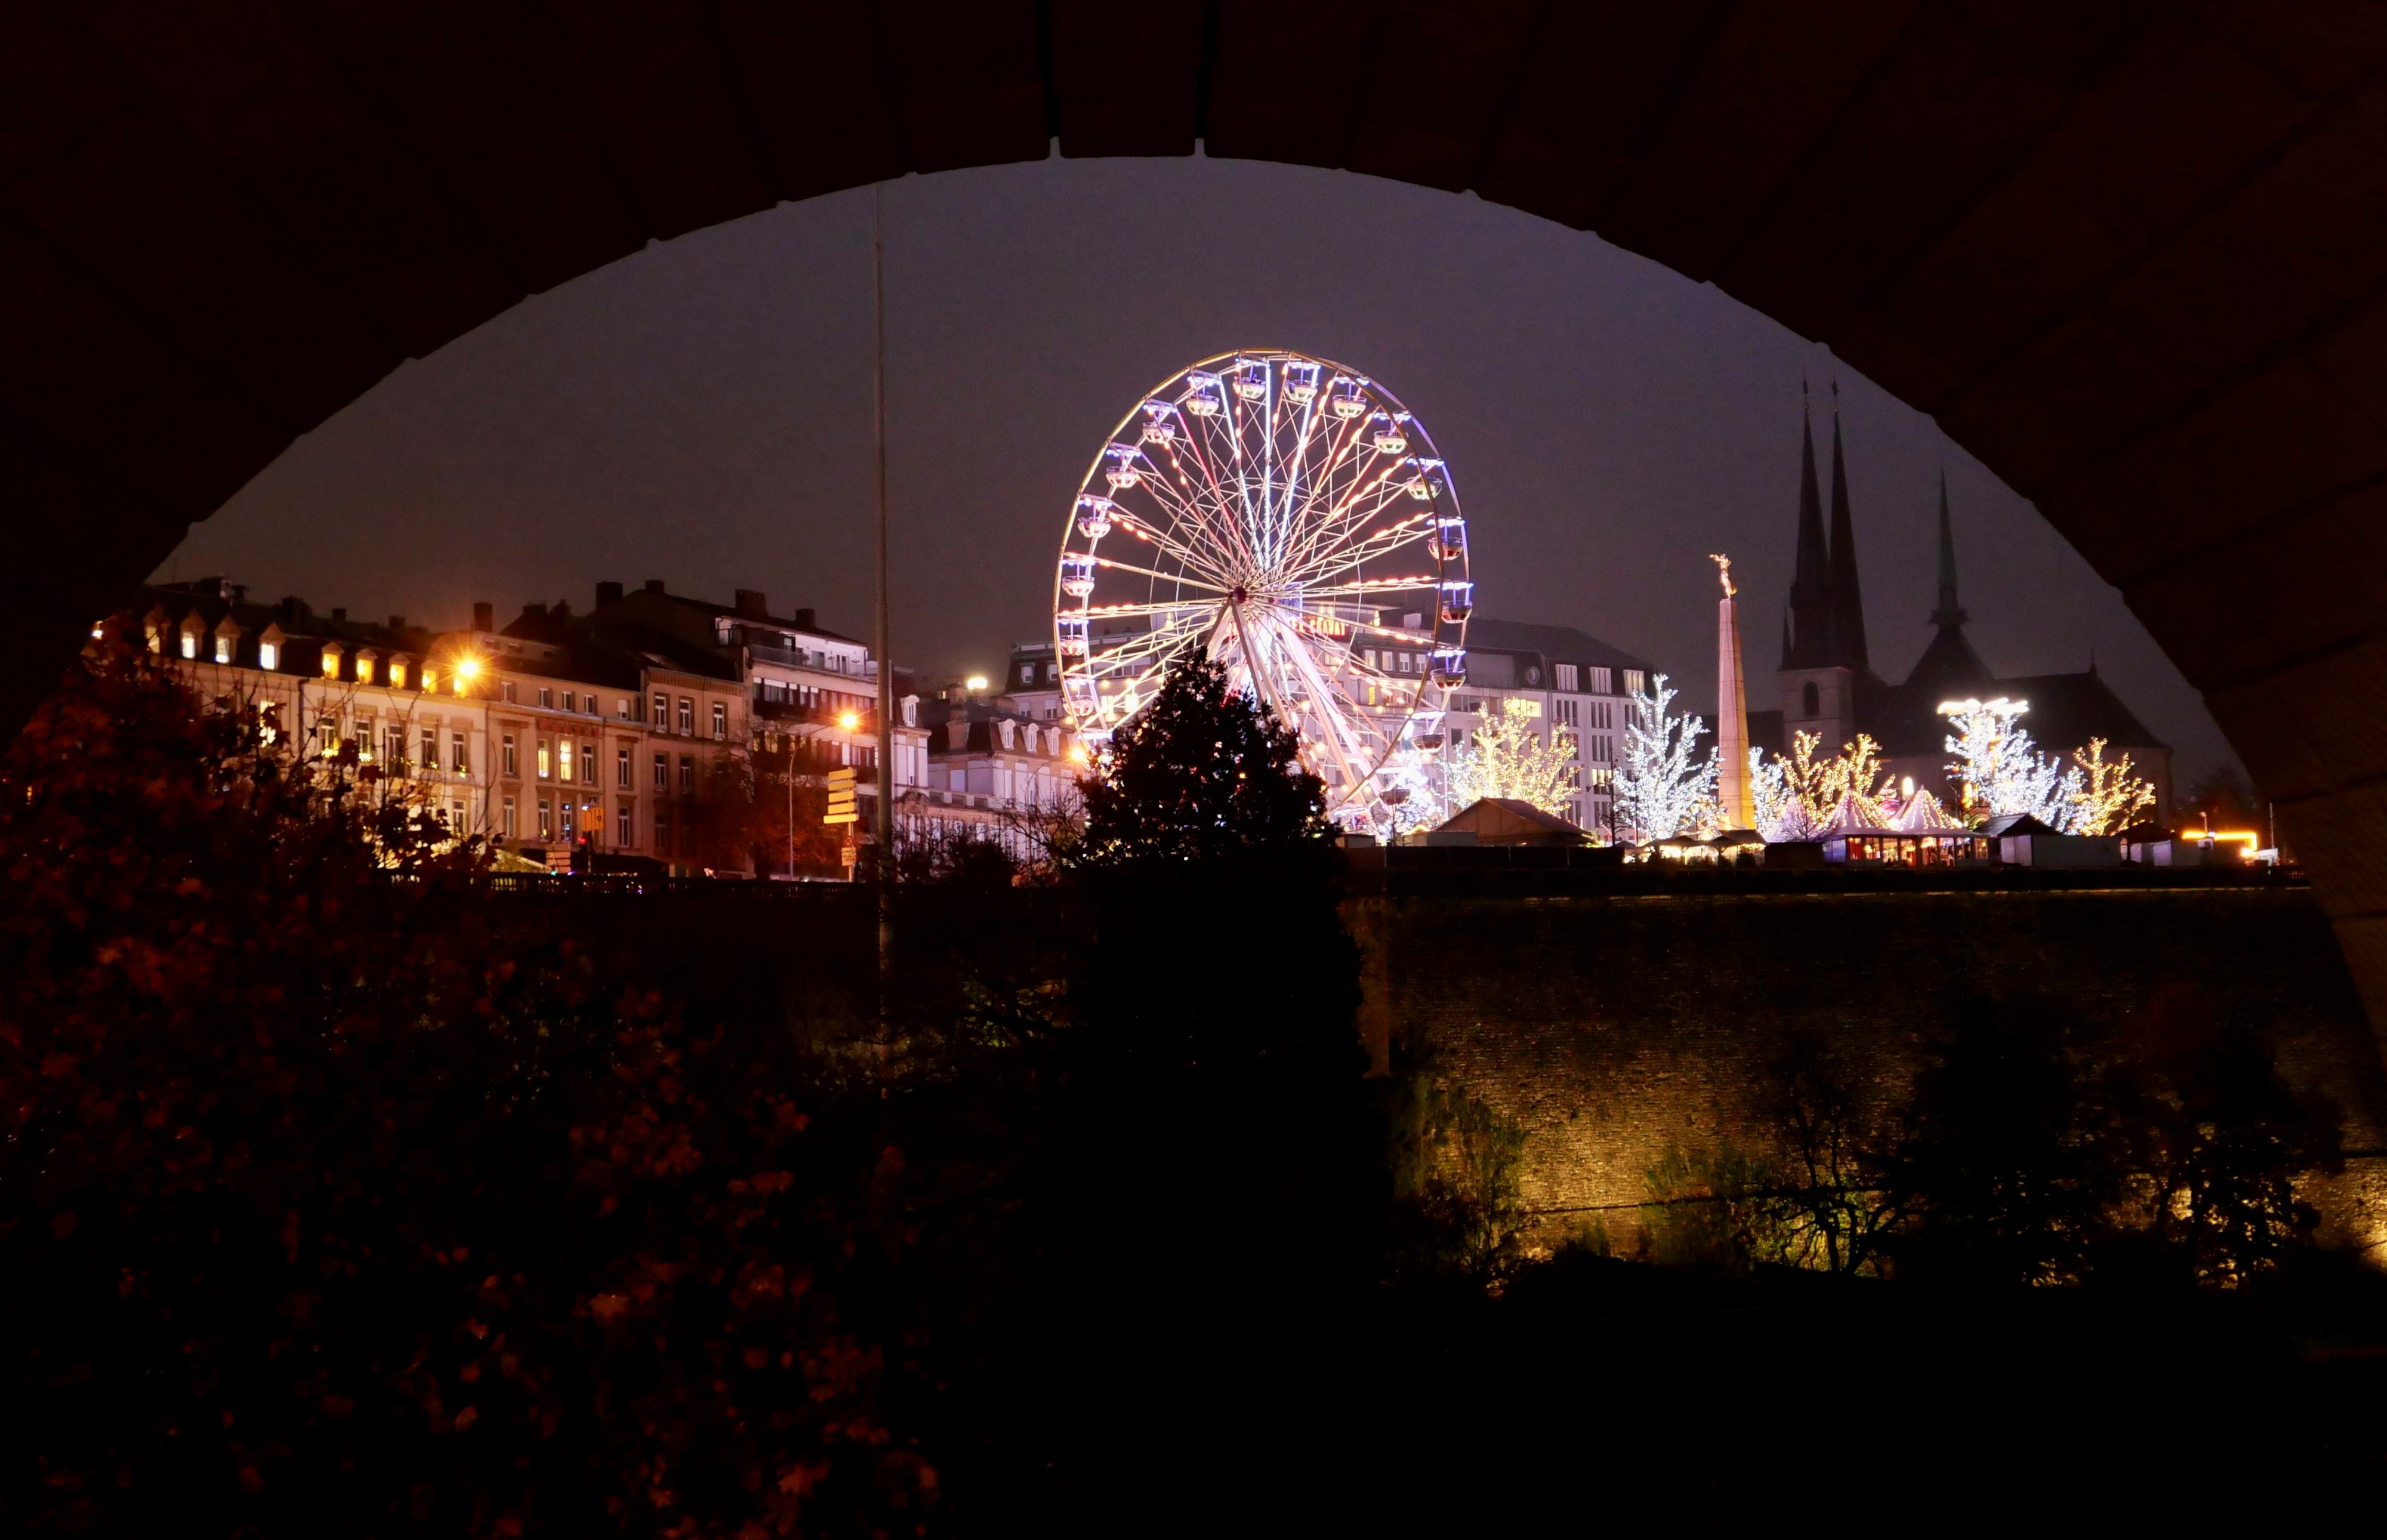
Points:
[(397, 674), (545, 769), (269, 656), (191, 644), (564, 760), (364, 670), (430, 680), (223, 647)]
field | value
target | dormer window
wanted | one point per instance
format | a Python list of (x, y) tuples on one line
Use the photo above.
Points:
[(331, 659), (365, 656), (223, 647), (191, 639), (269, 656), (398, 673), (430, 680)]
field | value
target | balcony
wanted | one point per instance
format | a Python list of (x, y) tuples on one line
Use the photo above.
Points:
[(789, 658), (791, 713)]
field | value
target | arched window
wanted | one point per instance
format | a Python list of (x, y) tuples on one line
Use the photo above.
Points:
[(1811, 701)]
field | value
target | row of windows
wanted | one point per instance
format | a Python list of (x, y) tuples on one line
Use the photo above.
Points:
[(392, 745), (667, 714), (563, 819), (556, 762)]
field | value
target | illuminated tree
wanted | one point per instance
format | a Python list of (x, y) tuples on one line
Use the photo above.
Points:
[(2000, 771), (1781, 811), (1798, 795), (2107, 798), (1507, 759), (1662, 787)]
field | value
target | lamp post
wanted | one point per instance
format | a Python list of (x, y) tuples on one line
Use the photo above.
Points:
[(883, 813)]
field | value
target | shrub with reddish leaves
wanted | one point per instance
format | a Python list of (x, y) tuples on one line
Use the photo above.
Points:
[(337, 1198)]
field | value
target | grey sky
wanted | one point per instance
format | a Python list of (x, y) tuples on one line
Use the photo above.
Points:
[(699, 413)]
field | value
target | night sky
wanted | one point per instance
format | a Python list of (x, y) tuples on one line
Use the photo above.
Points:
[(701, 413)]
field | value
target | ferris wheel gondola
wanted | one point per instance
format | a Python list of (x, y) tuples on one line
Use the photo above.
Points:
[(1291, 517)]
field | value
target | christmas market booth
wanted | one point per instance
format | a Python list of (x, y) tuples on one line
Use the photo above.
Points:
[(1912, 831)]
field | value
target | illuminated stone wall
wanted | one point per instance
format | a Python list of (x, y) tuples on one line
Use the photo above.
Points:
[(1611, 1029)]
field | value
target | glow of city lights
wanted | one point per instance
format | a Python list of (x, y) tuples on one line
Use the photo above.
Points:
[(849, 720), (1269, 506), (975, 682)]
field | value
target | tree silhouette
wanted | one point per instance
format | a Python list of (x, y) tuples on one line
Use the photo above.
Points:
[(1203, 772)]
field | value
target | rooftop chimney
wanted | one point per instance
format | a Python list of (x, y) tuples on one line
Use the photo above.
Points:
[(608, 593), (654, 584), (484, 616), (751, 605), (804, 621)]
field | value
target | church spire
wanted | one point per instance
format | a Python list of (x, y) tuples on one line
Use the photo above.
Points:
[(1949, 666), (1950, 614), (1847, 602), (1807, 641)]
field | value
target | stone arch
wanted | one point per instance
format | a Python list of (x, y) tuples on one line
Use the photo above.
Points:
[(2130, 256)]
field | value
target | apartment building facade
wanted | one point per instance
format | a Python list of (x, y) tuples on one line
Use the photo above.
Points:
[(1567, 681)]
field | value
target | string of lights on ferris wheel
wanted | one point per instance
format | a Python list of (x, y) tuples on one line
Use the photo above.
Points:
[(1291, 517)]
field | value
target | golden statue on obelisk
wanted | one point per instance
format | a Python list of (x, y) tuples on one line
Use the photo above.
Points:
[(1732, 710)]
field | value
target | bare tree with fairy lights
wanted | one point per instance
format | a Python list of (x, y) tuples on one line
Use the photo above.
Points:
[(1663, 786), (1507, 759)]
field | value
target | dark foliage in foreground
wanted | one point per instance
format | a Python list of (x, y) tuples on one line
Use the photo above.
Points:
[(333, 1203), (2031, 1150), (339, 1196)]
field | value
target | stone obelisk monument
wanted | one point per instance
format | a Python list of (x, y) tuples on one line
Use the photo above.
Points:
[(1732, 710)]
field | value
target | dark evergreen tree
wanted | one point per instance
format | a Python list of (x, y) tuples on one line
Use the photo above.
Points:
[(1217, 1160), (1203, 773)]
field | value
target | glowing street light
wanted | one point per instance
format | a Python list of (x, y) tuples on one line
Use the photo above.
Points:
[(975, 683), (849, 720)]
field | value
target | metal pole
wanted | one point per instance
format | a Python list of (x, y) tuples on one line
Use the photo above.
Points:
[(883, 815)]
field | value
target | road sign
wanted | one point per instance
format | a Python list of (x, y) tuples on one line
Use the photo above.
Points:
[(842, 809)]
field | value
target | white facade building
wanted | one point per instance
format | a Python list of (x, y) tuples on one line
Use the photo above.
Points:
[(1567, 681)]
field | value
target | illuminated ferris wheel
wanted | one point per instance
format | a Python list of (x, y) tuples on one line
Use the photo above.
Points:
[(1288, 515)]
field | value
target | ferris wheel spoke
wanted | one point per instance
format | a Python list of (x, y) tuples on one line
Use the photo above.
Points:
[(1194, 562), (1357, 523), (1347, 755), (1410, 639), (1162, 576), (1370, 547)]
